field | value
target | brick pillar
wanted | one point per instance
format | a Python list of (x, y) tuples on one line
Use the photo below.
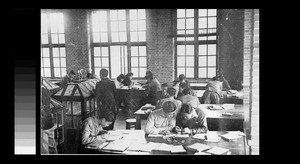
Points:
[(76, 30), (160, 44), (251, 78)]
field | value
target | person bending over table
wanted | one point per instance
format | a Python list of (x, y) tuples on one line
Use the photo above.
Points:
[(213, 91), (171, 93), (164, 91), (152, 87), (67, 79), (161, 121), (92, 129), (191, 120), (188, 98), (182, 79), (127, 81)]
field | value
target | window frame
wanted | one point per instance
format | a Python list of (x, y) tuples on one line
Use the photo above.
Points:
[(196, 42), (109, 43), (51, 45)]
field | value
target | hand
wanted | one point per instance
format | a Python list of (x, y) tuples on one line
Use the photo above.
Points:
[(186, 130), (102, 132), (177, 129), (164, 132)]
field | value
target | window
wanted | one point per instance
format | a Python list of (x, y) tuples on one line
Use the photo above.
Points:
[(196, 43), (118, 41), (53, 52)]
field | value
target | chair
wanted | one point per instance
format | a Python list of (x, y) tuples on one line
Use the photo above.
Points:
[(130, 123)]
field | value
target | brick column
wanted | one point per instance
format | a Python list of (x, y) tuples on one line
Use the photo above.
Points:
[(160, 44)]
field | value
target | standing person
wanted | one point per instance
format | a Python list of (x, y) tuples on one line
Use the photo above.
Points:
[(105, 96), (127, 81), (190, 120), (152, 87), (188, 98), (182, 79), (67, 79), (213, 91), (48, 143), (171, 93), (162, 121), (164, 91)]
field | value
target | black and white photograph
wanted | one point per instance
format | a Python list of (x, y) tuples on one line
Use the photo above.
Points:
[(149, 82)]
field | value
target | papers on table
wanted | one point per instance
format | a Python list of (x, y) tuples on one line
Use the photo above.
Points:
[(148, 107), (215, 107), (178, 149), (227, 106), (198, 147), (155, 135), (232, 135), (118, 145), (97, 144), (162, 147), (200, 136), (232, 91), (212, 136), (170, 135), (201, 153), (144, 147), (217, 150)]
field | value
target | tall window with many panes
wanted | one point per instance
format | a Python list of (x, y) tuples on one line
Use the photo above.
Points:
[(53, 51), (196, 43), (118, 41)]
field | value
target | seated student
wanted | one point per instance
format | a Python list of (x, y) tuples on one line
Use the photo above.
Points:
[(92, 128), (188, 98), (171, 93), (176, 87), (213, 91), (152, 87), (161, 121), (163, 93), (127, 81), (183, 80), (183, 86), (190, 120), (225, 84), (118, 80), (67, 79)]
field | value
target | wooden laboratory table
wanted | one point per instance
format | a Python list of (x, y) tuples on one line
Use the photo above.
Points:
[(215, 120), (236, 147)]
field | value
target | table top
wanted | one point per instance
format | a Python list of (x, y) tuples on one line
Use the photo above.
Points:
[(236, 147)]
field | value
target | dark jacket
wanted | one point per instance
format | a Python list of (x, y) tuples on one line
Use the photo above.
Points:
[(198, 124), (47, 120), (126, 81), (65, 81), (105, 96)]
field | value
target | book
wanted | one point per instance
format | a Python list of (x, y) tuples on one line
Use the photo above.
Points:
[(231, 136), (201, 153), (198, 147), (215, 107), (119, 145), (164, 147), (217, 150), (212, 136), (144, 147), (199, 136), (178, 149)]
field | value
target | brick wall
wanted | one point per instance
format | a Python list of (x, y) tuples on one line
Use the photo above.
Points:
[(76, 39), (160, 44), (251, 78)]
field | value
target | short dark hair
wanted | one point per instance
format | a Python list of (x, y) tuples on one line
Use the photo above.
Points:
[(186, 108), (121, 76), (148, 72), (109, 116), (169, 106), (103, 72), (176, 81), (150, 76), (181, 77), (187, 91), (129, 74), (183, 85), (172, 91), (72, 72), (165, 85), (216, 78)]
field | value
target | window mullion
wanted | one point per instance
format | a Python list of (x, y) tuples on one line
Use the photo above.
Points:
[(196, 44), (109, 41), (50, 46), (128, 40)]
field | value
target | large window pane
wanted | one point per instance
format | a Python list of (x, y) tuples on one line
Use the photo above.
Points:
[(202, 23), (55, 52), (104, 37), (133, 26), (114, 37), (46, 62), (96, 51), (133, 14), (103, 15), (133, 36), (180, 61), (135, 72), (189, 49), (142, 51), (142, 61), (211, 49), (142, 72), (134, 51), (190, 13), (202, 61), (96, 37), (63, 62), (113, 15), (122, 26), (142, 25), (97, 62), (180, 13), (202, 49), (44, 38), (180, 70), (47, 72), (211, 60), (63, 71), (202, 72), (211, 72), (105, 62), (190, 61), (45, 52), (114, 26), (122, 14), (103, 26), (212, 22), (54, 38), (56, 62), (202, 12), (104, 51), (141, 14), (62, 52), (142, 36), (181, 49), (123, 37), (57, 72), (61, 38), (212, 12), (134, 62), (189, 23), (180, 23), (189, 72)]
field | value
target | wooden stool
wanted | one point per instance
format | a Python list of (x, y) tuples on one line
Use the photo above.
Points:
[(130, 123)]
